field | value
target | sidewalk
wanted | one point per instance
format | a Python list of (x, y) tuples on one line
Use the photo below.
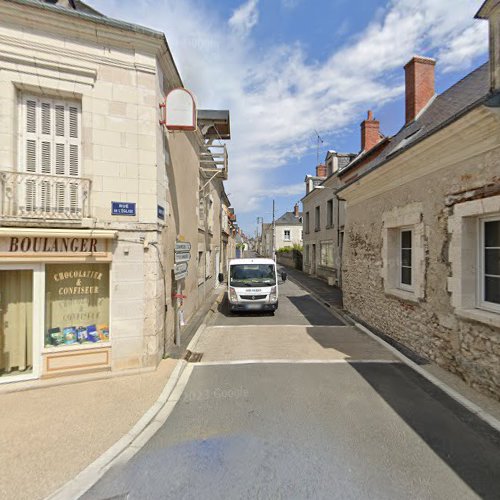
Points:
[(48, 435), (332, 297)]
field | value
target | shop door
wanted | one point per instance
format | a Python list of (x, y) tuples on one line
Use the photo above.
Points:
[(16, 323)]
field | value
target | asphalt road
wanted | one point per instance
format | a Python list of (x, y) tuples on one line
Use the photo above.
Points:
[(346, 429)]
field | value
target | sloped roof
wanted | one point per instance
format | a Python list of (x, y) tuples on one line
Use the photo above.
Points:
[(289, 219), (472, 90)]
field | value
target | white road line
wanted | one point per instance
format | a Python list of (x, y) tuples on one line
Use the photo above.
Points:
[(472, 407), (279, 326), (295, 361)]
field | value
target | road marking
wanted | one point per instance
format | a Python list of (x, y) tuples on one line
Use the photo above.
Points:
[(296, 361), (279, 326)]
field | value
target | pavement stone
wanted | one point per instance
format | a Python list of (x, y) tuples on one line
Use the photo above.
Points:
[(48, 435)]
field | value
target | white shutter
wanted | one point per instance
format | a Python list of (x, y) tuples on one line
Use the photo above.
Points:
[(50, 146)]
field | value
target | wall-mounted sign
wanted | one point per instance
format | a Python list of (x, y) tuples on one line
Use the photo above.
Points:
[(161, 212), (122, 208), (182, 257), (180, 276), (180, 110), (180, 267), (35, 244), (182, 246)]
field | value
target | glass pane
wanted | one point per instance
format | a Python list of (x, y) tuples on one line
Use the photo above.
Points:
[(77, 304), (492, 290), (16, 322), (406, 258), (406, 275), (405, 239), (492, 261), (492, 233)]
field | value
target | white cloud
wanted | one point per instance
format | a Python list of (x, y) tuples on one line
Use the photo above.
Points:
[(277, 96), (244, 18)]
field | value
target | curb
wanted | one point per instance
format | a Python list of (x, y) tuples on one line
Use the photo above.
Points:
[(129, 444), (466, 403), (469, 405)]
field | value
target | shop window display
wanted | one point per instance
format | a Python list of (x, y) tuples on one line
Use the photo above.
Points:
[(76, 304)]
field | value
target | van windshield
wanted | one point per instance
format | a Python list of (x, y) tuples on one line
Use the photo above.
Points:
[(252, 275)]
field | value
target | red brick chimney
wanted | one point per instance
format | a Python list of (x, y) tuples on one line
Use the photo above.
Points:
[(370, 132), (296, 210), (321, 170), (419, 81)]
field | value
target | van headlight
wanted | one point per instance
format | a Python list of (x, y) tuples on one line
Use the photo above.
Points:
[(273, 296), (233, 297)]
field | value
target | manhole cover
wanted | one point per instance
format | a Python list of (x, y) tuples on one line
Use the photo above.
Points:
[(193, 357)]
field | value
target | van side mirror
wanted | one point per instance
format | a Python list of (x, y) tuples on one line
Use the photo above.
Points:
[(221, 278), (284, 275)]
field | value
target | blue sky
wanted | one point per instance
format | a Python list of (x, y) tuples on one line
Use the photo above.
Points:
[(287, 67)]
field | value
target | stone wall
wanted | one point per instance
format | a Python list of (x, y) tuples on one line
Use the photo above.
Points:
[(429, 325)]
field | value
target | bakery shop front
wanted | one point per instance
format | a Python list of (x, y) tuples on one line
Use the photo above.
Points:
[(54, 302)]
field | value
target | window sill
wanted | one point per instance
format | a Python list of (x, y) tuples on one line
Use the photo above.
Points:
[(480, 315), (399, 293), (76, 347), (317, 230)]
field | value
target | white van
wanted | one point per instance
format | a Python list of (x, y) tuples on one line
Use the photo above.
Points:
[(252, 285)]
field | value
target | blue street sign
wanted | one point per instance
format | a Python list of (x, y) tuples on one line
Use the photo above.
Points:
[(122, 208), (161, 212)]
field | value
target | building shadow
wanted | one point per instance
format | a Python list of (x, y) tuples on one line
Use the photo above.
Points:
[(315, 313), (469, 446)]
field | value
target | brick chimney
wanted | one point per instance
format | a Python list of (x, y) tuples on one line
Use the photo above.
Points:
[(370, 132), (321, 170), (419, 81), (296, 210)]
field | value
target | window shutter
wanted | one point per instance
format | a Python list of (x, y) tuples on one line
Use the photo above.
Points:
[(59, 120), (50, 146)]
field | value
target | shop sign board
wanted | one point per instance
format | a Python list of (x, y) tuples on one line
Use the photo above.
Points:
[(123, 208), (28, 245), (182, 246), (182, 257)]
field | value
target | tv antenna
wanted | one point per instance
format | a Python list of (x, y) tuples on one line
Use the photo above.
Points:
[(320, 140)]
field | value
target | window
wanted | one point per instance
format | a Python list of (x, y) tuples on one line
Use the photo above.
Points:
[(489, 275), (286, 234), (317, 223), (50, 146), (307, 223), (403, 253), (329, 213), (326, 253), (405, 258), (474, 254), (306, 254), (76, 304)]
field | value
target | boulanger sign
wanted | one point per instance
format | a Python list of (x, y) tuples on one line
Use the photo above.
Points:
[(46, 248), (33, 244)]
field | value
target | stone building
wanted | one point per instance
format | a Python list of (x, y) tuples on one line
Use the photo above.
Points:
[(95, 192), (288, 229), (422, 234), (323, 219)]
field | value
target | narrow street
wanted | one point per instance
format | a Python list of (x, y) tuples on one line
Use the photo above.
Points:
[(301, 405)]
